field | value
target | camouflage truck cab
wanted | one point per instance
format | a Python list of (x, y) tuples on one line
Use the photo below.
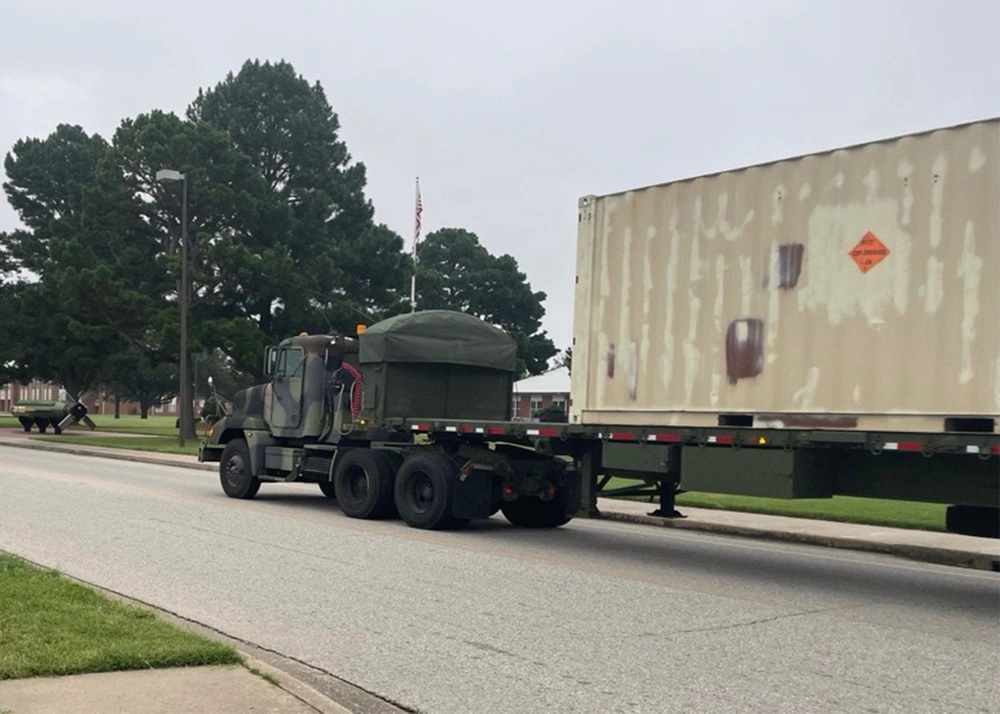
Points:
[(308, 375)]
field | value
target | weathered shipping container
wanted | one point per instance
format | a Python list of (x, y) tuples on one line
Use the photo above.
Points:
[(854, 289)]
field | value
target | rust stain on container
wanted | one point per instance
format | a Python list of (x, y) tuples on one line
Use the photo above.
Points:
[(789, 265), (744, 349)]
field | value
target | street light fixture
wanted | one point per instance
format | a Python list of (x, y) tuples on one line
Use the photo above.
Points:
[(186, 430)]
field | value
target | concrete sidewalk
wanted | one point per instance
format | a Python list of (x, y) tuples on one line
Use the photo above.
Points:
[(235, 689), (926, 546), (191, 690)]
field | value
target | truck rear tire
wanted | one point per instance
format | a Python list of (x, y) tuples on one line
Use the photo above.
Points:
[(363, 484), (423, 491), (328, 490), (536, 513), (238, 480)]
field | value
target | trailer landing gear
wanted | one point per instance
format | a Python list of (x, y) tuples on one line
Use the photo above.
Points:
[(669, 485)]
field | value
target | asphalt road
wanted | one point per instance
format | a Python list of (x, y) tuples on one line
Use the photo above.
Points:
[(593, 617)]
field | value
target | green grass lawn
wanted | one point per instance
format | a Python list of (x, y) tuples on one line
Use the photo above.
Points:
[(158, 444), (158, 433), (51, 626), (155, 425), (872, 511)]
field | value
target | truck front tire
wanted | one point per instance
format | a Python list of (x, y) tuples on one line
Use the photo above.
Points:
[(235, 472)]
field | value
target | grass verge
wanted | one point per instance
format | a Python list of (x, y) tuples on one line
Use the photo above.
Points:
[(158, 425), (51, 626), (158, 444), (846, 509)]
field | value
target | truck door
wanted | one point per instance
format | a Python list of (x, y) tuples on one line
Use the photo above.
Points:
[(286, 392)]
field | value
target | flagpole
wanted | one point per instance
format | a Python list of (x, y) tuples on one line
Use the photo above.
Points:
[(418, 210)]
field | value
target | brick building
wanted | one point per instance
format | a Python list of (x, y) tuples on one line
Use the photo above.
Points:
[(38, 390), (543, 390)]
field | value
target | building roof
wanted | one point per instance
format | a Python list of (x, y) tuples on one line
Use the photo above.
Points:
[(555, 381)]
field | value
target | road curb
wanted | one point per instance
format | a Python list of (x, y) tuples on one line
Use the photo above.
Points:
[(922, 553), (294, 687), (109, 453)]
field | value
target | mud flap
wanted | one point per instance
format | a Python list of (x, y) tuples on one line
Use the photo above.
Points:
[(573, 493), (473, 495)]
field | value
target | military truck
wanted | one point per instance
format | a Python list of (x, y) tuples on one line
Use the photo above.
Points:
[(337, 412)]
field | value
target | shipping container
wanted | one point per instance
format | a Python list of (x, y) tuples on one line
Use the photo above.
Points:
[(853, 289)]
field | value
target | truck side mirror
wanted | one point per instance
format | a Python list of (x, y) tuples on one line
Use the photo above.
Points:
[(270, 361)]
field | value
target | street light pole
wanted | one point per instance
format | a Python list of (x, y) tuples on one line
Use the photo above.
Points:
[(186, 430)]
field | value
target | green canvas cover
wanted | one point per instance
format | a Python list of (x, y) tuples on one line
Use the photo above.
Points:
[(438, 336)]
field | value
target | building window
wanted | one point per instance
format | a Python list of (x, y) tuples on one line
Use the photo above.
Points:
[(536, 405)]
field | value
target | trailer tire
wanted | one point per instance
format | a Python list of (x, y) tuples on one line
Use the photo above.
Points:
[(235, 471), (328, 490), (423, 491), (362, 484), (536, 513)]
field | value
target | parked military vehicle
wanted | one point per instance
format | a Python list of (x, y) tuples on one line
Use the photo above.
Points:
[(41, 413), (55, 413), (819, 326)]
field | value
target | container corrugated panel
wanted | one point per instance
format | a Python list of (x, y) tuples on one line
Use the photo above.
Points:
[(856, 289)]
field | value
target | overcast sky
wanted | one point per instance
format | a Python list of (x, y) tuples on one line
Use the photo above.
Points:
[(510, 111)]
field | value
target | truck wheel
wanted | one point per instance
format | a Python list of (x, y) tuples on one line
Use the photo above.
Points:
[(238, 481), (26, 424), (423, 491), (392, 460), (42, 425), (362, 484), (535, 513), (328, 490)]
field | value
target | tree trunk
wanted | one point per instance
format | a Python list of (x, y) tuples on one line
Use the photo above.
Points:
[(118, 406)]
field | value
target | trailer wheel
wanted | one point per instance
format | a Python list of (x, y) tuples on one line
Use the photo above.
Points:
[(26, 424), (423, 491), (536, 513), (238, 480), (362, 483), (328, 490)]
